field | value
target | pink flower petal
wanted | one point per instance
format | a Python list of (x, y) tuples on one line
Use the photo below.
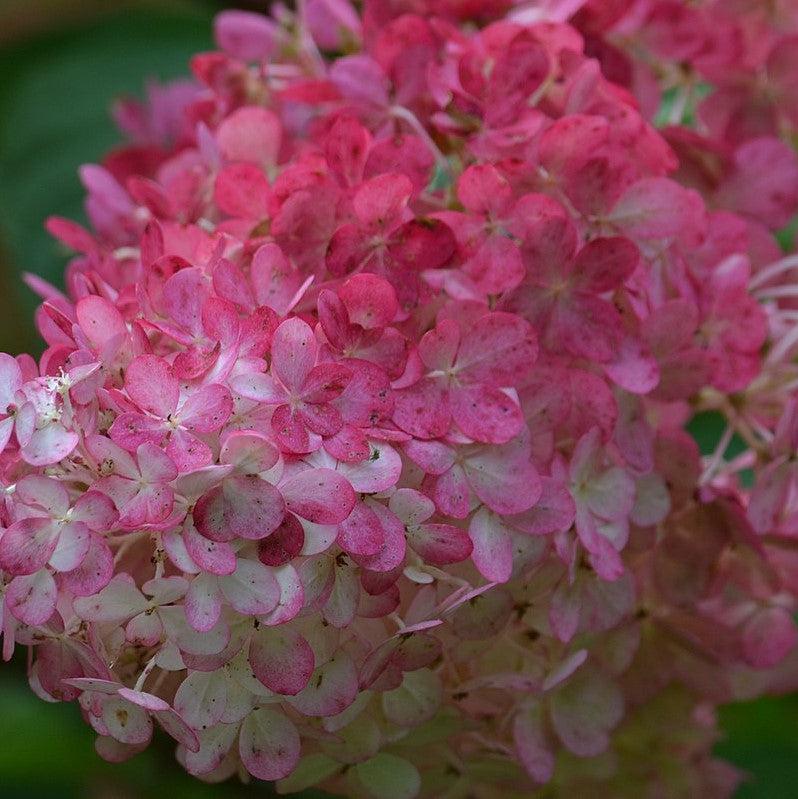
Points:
[(251, 133), (658, 208), (292, 596), (492, 546), (341, 604), (206, 410), (603, 264), (10, 380), (294, 352), (211, 556), (504, 477), (94, 572), (150, 383), (241, 190), (187, 451), (321, 496), (325, 382), (119, 600), (201, 698), (26, 546), (131, 430), (242, 506), (497, 349), (281, 659), (332, 688), (261, 387), (100, 321), (379, 471), (440, 544), (533, 745), (215, 743), (49, 445), (438, 347), (96, 511), (486, 414), (423, 409), (392, 550), (175, 726), (370, 300), (361, 532), (554, 511), (585, 710), (768, 637), (31, 598), (74, 543), (382, 199), (284, 544), (245, 35)]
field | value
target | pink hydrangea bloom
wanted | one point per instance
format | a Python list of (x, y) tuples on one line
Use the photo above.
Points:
[(357, 455)]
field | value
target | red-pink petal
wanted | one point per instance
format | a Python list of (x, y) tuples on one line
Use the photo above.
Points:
[(251, 133), (382, 199), (440, 544), (243, 506), (100, 321), (294, 352), (361, 532), (284, 544), (319, 495), (485, 413), (498, 349), (370, 300), (423, 409), (242, 190)]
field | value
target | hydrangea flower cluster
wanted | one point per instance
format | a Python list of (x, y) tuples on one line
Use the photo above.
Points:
[(357, 456)]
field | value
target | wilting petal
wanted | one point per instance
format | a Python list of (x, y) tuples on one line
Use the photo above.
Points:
[(126, 722)]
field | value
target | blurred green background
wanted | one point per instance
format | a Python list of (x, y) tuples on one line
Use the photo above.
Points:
[(62, 63)]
